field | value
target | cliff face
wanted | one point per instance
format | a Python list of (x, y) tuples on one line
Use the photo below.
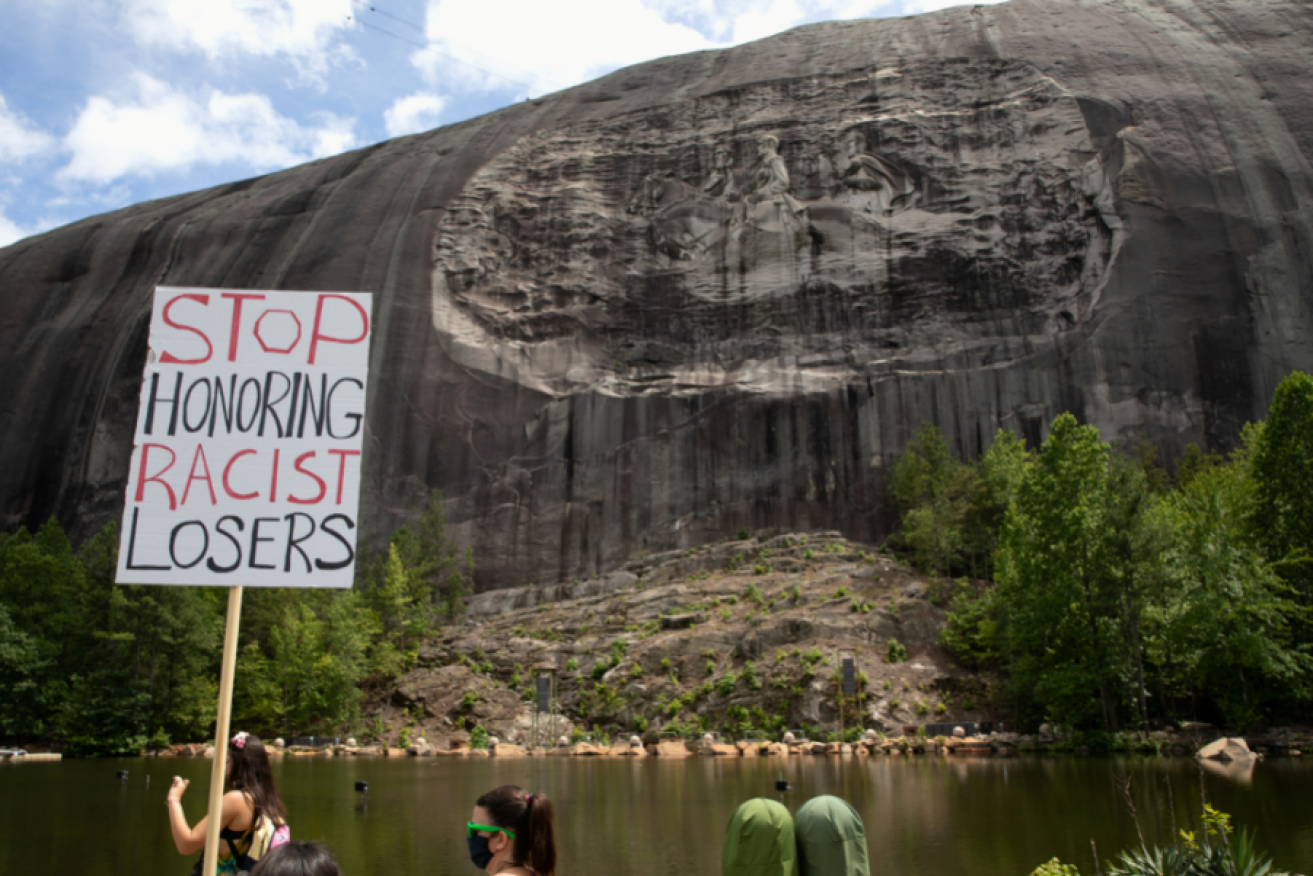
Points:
[(720, 290)]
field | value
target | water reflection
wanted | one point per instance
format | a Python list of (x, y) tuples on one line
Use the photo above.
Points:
[(969, 817), (1239, 771)]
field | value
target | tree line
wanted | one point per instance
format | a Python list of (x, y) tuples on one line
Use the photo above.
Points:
[(101, 668), (1109, 594)]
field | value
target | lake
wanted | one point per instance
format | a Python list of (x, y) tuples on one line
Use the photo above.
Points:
[(615, 817)]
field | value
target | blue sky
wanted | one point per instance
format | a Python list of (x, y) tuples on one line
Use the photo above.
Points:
[(105, 103)]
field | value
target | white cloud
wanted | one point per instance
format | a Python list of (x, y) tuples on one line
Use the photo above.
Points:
[(535, 47), (916, 6), (11, 231), (19, 139), (160, 129), (301, 29), (410, 115)]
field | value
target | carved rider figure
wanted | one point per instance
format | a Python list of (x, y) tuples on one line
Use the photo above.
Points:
[(772, 177), (720, 184), (863, 172), (770, 182), (817, 177)]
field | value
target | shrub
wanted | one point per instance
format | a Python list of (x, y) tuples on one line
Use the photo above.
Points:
[(749, 676), (896, 652), (571, 665)]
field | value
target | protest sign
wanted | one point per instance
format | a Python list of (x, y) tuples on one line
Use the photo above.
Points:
[(246, 460)]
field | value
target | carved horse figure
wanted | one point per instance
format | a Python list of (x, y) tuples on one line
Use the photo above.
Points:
[(683, 221)]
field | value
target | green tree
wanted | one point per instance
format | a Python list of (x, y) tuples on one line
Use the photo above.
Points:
[(105, 713), (26, 698), (1060, 580), (1227, 618), (1282, 465), (929, 486), (998, 475)]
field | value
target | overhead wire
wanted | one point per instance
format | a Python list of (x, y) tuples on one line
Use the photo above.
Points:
[(534, 85)]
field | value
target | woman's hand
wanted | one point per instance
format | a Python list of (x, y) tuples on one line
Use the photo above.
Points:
[(178, 788)]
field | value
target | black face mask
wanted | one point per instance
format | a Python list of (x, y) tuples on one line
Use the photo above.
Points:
[(480, 854)]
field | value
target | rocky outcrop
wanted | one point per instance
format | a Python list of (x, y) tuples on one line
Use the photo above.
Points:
[(765, 656), (719, 290)]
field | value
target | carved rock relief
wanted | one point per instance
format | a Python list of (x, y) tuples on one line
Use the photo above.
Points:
[(914, 205)]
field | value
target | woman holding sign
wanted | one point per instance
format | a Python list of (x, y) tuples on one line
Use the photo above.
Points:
[(253, 817)]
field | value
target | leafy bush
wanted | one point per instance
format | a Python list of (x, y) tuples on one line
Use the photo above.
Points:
[(896, 652)]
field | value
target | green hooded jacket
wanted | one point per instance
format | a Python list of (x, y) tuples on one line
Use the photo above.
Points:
[(759, 841), (831, 839)]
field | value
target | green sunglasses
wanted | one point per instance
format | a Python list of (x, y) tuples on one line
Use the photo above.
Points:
[(470, 827)]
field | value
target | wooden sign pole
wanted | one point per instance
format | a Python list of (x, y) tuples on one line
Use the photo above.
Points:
[(221, 728)]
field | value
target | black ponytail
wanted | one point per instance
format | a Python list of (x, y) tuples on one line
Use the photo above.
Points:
[(533, 820)]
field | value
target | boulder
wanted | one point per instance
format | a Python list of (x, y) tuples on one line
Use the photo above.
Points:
[(506, 749), (672, 748), (682, 621), (1226, 749)]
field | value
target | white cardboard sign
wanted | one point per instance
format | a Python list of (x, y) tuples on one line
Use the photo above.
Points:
[(246, 460)]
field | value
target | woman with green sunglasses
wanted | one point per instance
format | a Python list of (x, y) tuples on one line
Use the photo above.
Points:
[(512, 832)]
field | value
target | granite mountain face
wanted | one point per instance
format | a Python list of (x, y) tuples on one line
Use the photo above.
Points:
[(721, 290)]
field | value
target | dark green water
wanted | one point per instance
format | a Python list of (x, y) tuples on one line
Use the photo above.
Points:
[(924, 815)]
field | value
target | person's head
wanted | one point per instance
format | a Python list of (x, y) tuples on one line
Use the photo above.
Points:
[(767, 145), (510, 826), (854, 142), (759, 841), (297, 859), (248, 770), (831, 839)]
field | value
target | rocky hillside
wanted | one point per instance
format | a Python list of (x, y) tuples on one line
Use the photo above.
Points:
[(740, 635)]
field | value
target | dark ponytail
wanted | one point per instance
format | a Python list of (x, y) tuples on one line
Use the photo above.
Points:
[(532, 819)]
